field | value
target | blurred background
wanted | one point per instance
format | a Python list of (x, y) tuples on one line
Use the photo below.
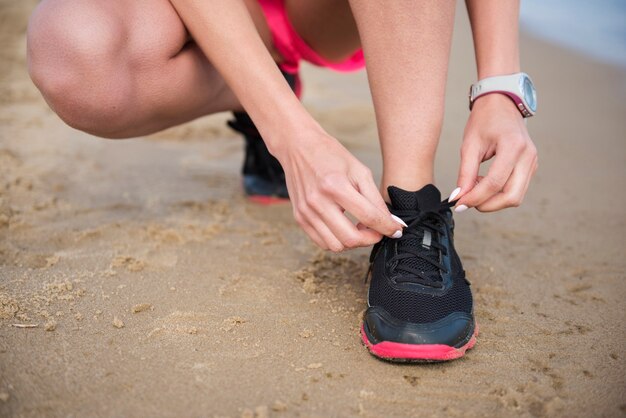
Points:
[(593, 28), (135, 280)]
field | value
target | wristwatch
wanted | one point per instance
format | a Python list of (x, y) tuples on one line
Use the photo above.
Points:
[(518, 87)]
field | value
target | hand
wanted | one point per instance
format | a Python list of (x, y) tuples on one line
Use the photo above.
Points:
[(324, 180), (495, 128)]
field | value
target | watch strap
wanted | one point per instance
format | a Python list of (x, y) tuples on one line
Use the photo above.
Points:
[(502, 85)]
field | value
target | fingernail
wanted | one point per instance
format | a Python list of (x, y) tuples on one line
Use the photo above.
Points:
[(460, 208), (454, 194), (400, 221), (397, 234)]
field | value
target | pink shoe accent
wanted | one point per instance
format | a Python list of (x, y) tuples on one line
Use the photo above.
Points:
[(389, 350), (267, 200)]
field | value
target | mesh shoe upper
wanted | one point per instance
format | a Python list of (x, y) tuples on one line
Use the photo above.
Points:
[(419, 278)]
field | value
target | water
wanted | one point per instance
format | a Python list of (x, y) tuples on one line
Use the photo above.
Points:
[(596, 28)]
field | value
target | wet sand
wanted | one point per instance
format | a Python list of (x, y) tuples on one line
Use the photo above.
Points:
[(149, 287)]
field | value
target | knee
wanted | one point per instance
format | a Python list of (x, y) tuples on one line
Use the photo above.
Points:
[(74, 53)]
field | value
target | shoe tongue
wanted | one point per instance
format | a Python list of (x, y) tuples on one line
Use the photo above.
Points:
[(427, 199)]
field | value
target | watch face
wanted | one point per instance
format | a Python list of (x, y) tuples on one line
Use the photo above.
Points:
[(530, 94)]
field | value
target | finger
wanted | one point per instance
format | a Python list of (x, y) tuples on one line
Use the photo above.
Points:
[(313, 226), (514, 190), (345, 231), (493, 182), (313, 235), (511, 195), (532, 174), (468, 171), (362, 227), (306, 225), (368, 188), (332, 242), (368, 206)]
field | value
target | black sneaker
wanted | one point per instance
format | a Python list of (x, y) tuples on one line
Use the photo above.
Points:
[(263, 176), (419, 303)]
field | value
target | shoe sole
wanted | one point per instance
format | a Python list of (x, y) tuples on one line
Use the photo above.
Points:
[(416, 353), (267, 200), (255, 193)]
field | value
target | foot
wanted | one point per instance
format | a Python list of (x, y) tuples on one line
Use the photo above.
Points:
[(263, 176), (420, 305)]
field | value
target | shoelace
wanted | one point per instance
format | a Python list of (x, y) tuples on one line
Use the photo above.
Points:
[(420, 224)]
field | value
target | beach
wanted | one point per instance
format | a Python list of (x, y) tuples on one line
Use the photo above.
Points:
[(136, 280)]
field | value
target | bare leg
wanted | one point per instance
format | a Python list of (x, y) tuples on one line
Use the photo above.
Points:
[(407, 45), (120, 69)]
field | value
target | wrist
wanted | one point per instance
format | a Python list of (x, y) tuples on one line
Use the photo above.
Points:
[(499, 64), (518, 87), (498, 68), (495, 102), (499, 61), (295, 131)]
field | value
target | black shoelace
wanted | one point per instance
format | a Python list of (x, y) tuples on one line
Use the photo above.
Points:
[(413, 250)]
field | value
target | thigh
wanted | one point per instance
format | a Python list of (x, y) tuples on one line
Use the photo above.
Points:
[(326, 25), (150, 27), (120, 68)]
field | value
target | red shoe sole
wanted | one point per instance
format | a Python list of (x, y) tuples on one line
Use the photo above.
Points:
[(399, 352), (267, 200)]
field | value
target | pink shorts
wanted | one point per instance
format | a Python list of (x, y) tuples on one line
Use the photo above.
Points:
[(293, 48)]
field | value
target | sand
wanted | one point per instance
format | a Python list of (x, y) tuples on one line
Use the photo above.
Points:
[(136, 281)]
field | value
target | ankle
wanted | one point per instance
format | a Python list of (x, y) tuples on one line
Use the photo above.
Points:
[(406, 182)]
